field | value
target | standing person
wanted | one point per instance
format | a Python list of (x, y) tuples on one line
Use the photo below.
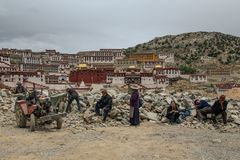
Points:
[(104, 103), (129, 88), (173, 113), (219, 107), (134, 105), (72, 95)]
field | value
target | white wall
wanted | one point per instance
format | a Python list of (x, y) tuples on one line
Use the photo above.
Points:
[(198, 79), (147, 80), (5, 60), (172, 73), (115, 80)]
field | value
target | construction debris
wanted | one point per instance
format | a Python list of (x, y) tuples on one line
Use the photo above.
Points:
[(153, 109)]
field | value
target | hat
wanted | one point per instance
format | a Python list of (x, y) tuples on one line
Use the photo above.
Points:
[(134, 86)]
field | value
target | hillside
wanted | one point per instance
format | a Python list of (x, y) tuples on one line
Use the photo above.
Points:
[(189, 47)]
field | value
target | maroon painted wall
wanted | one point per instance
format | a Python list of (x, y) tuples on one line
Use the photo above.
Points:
[(90, 75)]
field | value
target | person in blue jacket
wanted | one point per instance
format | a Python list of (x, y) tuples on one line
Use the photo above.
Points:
[(201, 106)]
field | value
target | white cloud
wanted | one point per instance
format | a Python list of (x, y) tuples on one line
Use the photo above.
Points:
[(76, 25)]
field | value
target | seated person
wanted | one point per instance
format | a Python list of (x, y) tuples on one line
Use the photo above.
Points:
[(20, 90), (173, 113), (33, 97), (219, 107), (104, 103), (201, 105)]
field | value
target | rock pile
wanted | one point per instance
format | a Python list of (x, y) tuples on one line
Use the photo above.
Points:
[(153, 110), (6, 107)]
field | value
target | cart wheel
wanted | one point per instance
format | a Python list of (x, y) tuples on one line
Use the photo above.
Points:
[(32, 122), (59, 123), (20, 117)]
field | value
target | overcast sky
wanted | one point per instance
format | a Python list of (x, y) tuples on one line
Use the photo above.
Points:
[(77, 25)]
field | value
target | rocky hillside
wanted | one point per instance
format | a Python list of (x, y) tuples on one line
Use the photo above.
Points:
[(189, 47)]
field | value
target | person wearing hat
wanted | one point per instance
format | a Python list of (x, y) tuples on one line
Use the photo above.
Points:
[(20, 88), (72, 95), (104, 103), (134, 106)]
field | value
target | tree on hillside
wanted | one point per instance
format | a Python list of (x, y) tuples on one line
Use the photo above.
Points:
[(185, 69)]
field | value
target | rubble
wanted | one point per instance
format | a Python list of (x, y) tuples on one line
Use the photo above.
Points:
[(153, 110), (216, 141)]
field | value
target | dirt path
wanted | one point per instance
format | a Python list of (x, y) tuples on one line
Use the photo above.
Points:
[(147, 142)]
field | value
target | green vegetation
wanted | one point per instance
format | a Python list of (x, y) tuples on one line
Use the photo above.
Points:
[(185, 69), (190, 47)]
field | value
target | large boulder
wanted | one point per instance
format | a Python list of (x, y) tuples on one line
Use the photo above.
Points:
[(87, 116), (148, 98), (3, 93), (152, 116), (4, 108), (112, 92), (168, 100)]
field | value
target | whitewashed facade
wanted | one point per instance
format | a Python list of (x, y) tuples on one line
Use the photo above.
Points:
[(170, 72), (5, 59), (116, 78), (147, 79), (198, 78), (32, 60)]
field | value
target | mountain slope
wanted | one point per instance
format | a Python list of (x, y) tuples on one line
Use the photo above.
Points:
[(189, 47)]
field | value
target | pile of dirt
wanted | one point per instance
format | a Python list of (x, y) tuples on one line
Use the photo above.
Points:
[(2, 86), (233, 93)]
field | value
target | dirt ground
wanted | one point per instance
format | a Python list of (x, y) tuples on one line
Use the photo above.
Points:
[(146, 142)]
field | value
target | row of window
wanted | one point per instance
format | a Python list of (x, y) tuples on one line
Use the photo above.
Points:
[(126, 62), (169, 72), (102, 54), (198, 78), (4, 59), (98, 59), (7, 69)]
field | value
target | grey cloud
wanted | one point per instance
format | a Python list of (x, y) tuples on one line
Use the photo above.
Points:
[(74, 25)]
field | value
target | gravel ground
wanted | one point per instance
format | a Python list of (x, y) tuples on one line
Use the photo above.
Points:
[(147, 142)]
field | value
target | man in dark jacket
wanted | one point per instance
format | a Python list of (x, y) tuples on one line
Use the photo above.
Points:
[(219, 107), (72, 95), (173, 113), (20, 88), (104, 103)]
